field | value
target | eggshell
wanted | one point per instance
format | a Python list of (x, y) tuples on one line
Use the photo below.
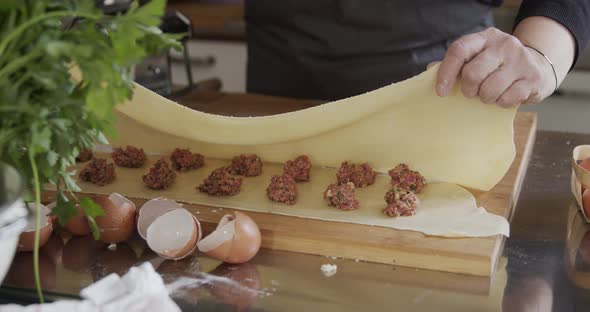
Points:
[(119, 220), (174, 235), (26, 240), (218, 244), (78, 225), (241, 294), (235, 240), (585, 164), (151, 210)]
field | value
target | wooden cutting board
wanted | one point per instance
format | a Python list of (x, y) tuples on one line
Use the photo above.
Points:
[(475, 256)]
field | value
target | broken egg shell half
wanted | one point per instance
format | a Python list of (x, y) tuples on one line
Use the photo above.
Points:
[(174, 235), (151, 210), (119, 220), (26, 241), (76, 225), (235, 240)]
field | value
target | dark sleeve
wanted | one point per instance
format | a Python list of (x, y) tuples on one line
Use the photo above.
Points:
[(573, 14)]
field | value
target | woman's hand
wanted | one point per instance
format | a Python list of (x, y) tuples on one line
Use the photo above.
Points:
[(496, 67)]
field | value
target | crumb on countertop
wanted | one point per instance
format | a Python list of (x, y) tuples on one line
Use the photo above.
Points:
[(329, 269)]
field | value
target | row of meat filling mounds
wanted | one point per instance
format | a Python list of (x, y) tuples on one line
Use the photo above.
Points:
[(401, 199), (160, 176), (226, 181)]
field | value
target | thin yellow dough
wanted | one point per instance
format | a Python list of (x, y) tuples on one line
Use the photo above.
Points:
[(452, 139)]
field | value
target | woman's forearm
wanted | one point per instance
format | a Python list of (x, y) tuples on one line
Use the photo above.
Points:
[(551, 38)]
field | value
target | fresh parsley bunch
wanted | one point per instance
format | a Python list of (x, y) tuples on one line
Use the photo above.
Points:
[(46, 117)]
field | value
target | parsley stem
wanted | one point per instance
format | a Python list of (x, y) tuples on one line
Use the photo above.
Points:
[(37, 225), (16, 32), (24, 77), (21, 61)]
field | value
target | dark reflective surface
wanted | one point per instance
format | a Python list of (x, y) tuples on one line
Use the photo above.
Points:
[(545, 264)]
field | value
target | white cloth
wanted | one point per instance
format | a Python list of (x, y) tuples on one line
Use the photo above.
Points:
[(141, 289)]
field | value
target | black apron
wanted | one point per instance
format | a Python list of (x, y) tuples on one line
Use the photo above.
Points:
[(332, 49)]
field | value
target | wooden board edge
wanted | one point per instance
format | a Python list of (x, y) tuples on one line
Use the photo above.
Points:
[(520, 177), (445, 262), (427, 279)]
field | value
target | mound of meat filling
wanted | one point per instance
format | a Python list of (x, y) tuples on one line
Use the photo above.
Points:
[(183, 160), (84, 155), (282, 189), (403, 177), (99, 172), (360, 175), (341, 196), (298, 168), (401, 202), (221, 182), (248, 165), (160, 176), (130, 157)]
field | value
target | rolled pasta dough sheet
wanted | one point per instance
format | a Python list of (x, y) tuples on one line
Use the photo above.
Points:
[(452, 139), (446, 209)]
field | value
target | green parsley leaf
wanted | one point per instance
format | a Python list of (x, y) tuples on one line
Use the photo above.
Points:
[(64, 209), (92, 210)]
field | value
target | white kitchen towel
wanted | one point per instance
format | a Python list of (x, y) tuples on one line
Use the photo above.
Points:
[(141, 289)]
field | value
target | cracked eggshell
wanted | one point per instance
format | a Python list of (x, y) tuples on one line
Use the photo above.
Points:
[(151, 210), (78, 225), (235, 240), (26, 241), (174, 235), (118, 223)]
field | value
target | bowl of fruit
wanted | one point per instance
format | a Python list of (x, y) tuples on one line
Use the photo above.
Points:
[(581, 178)]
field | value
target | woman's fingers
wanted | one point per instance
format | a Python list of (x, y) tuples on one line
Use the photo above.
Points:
[(496, 84), (460, 52), (516, 94), (496, 67), (477, 70)]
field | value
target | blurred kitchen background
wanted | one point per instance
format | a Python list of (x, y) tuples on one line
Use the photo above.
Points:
[(217, 52)]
